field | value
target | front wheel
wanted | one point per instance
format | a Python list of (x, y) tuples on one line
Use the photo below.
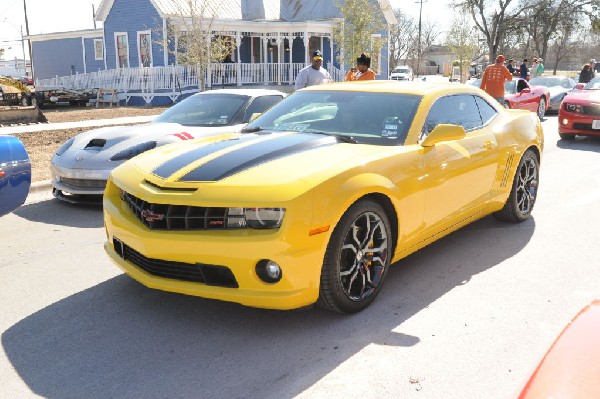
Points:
[(524, 191), (357, 259), (542, 108), (506, 105)]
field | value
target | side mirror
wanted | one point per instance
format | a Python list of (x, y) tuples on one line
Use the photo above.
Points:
[(254, 116), (444, 132), (579, 86)]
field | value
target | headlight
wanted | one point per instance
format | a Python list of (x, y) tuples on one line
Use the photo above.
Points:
[(557, 98), (256, 218), (574, 108), (66, 145), (133, 151)]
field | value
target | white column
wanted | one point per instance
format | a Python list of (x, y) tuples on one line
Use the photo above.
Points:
[(305, 40), (238, 43), (265, 41), (166, 43), (331, 48), (279, 63), (82, 48), (291, 63)]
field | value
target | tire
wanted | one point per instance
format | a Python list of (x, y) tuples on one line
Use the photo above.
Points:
[(542, 108), (524, 191), (506, 105), (352, 276), (25, 100), (566, 136)]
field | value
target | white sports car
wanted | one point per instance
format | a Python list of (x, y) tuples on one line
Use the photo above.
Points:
[(81, 166)]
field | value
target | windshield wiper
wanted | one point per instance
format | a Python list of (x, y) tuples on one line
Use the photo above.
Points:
[(340, 137), (252, 129)]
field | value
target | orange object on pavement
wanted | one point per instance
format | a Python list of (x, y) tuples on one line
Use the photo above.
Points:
[(571, 367), (492, 81)]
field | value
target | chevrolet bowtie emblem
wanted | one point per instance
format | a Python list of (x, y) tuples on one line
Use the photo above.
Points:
[(150, 216)]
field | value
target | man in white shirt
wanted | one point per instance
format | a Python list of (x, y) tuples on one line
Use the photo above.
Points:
[(313, 74)]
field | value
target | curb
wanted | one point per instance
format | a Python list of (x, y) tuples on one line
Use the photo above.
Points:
[(39, 186)]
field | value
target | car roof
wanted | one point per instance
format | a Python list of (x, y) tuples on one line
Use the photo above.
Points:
[(392, 86), (245, 92)]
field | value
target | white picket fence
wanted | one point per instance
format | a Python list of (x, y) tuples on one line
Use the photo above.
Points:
[(175, 81)]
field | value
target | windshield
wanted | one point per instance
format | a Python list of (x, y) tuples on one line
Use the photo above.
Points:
[(549, 82), (401, 70), (594, 84), (205, 110), (368, 118)]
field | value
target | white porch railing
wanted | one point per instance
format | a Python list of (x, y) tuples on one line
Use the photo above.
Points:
[(174, 81)]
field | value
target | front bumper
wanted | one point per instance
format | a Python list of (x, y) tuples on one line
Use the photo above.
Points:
[(299, 255), (577, 124), (79, 181)]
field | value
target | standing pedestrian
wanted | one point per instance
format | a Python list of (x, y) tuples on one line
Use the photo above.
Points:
[(523, 69), (314, 74), (510, 66), (494, 77), (537, 68), (540, 67), (586, 74), (362, 70), (595, 66)]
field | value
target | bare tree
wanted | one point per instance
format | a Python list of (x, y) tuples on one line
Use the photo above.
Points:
[(360, 21), (192, 39), (462, 42), (403, 39)]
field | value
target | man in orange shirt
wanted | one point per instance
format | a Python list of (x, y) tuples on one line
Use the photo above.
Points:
[(362, 71), (493, 79)]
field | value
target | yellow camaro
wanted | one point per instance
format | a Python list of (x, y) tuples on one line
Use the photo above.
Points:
[(316, 198)]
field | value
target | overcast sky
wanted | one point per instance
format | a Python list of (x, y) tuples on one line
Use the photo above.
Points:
[(48, 16)]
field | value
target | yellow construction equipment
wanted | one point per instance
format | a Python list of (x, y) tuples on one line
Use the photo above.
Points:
[(13, 92)]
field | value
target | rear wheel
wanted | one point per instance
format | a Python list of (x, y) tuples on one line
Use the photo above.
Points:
[(24, 100), (542, 108), (524, 190), (357, 259), (506, 105)]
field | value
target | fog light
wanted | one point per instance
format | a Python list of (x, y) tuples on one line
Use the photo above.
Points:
[(268, 271), (565, 121)]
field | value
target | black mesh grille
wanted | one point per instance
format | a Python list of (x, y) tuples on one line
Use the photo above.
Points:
[(83, 183), (181, 217), (195, 272), (591, 110), (585, 126)]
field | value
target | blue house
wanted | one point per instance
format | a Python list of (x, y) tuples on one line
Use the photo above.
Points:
[(273, 37)]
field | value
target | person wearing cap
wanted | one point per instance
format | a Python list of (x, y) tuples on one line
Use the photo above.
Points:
[(595, 65), (314, 74), (362, 70), (494, 76), (537, 69)]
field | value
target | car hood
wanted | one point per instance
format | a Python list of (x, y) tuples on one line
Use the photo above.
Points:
[(93, 149), (251, 163), (584, 96), (556, 90)]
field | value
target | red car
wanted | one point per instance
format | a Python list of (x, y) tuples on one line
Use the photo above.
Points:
[(518, 94), (579, 112), (570, 367)]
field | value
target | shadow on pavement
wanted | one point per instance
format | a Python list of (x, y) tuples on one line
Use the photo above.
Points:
[(56, 212), (580, 143), (120, 339)]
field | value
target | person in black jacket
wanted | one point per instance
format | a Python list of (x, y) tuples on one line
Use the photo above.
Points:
[(586, 74), (523, 69), (511, 67)]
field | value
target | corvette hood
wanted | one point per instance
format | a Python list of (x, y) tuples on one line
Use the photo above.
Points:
[(95, 148), (255, 160), (556, 90), (584, 96)]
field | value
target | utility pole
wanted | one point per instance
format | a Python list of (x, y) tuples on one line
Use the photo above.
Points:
[(419, 43), (29, 41), (94, 15)]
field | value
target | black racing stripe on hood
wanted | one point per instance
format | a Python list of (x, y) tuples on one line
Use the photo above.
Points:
[(256, 154), (173, 165)]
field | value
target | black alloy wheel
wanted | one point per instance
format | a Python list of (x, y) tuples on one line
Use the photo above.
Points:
[(524, 190)]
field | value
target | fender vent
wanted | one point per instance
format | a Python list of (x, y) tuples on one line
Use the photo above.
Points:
[(507, 168)]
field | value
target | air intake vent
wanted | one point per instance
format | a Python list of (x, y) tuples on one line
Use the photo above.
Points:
[(96, 143), (509, 163)]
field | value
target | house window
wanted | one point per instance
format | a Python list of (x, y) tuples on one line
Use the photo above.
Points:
[(145, 49), (122, 46), (98, 49)]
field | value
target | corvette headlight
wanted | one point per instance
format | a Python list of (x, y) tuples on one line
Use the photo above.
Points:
[(66, 145), (557, 98), (255, 218), (133, 151), (574, 108)]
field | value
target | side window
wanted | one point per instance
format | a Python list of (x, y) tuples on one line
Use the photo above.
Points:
[(486, 110), (260, 105), (456, 110)]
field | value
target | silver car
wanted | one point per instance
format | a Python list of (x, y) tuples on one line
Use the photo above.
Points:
[(82, 165), (558, 86)]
